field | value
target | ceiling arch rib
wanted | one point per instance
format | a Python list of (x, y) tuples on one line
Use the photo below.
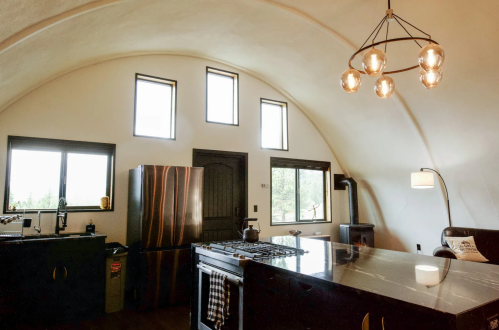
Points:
[(47, 23)]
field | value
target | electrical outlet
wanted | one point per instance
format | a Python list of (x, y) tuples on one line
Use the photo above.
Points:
[(255, 208), (418, 246)]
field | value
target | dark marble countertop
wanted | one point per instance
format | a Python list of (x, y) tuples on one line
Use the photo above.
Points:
[(49, 237), (461, 285)]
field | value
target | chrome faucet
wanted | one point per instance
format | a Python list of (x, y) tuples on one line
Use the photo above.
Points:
[(39, 228), (61, 214)]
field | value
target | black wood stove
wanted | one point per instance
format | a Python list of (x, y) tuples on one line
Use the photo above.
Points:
[(353, 233)]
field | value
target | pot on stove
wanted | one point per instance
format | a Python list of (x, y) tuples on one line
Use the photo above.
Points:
[(251, 235)]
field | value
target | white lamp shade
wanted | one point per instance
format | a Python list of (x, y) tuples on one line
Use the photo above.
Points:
[(422, 180)]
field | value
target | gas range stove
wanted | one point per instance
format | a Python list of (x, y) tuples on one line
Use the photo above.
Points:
[(241, 250)]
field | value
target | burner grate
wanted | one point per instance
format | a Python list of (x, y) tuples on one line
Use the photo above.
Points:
[(258, 250)]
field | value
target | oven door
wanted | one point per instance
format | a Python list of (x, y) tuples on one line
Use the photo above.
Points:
[(234, 321)]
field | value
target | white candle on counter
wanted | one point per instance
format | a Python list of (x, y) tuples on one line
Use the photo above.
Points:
[(427, 275)]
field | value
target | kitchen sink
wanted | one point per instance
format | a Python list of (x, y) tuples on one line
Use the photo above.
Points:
[(42, 236)]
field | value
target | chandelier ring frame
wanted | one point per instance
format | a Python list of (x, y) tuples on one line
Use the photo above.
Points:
[(386, 42)]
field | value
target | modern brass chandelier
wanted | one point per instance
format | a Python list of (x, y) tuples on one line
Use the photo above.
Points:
[(431, 58)]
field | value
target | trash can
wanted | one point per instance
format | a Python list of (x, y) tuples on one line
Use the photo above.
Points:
[(116, 255)]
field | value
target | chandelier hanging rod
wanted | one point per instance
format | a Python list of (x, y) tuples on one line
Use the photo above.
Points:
[(406, 31), (386, 42), (395, 15), (382, 23)]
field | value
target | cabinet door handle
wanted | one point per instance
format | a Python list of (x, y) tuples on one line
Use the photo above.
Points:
[(54, 273), (383, 323), (365, 323), (304, 286)]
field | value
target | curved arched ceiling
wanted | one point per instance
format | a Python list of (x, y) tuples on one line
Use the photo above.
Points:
[(302, 47)]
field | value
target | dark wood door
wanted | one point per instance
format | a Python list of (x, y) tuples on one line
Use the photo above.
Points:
[(225, 193)]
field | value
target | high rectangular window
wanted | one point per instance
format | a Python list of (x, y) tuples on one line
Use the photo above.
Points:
[(155, 107), (222, 97), (274, 124), (299, 191), (40, 171)]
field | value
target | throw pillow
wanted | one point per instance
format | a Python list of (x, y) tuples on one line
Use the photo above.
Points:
[(465, 248)]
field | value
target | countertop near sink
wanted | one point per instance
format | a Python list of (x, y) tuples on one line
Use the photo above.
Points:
[(463, 286), (50, 237)]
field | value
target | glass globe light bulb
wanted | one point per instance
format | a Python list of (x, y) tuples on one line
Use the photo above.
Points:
[(374, 62), (350, 81), (384, 87), (431, 58), (430, 79)]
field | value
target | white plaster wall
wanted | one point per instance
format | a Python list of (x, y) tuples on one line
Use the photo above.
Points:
[(96, 104)]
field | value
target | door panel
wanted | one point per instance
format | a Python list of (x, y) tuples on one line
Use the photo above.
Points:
[(218, 194), (188, 224), (158, 194), (224, 193), (165, 278)]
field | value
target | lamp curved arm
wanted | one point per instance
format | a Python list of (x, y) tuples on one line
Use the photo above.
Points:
[(446, 191)]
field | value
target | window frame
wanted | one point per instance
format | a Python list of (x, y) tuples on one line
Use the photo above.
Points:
[(173, 115), (65, 147), (303, 164), (235, 97), (284, 109)]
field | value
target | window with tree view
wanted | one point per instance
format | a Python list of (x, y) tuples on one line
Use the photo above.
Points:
[(299, 191), (40, 171)]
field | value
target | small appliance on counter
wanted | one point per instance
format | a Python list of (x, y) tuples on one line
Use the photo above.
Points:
[(90, 228), (251, 235)]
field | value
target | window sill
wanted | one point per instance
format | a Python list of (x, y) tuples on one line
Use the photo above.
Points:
[(155, 137), (298, 223), (277, 149), (220, 123)]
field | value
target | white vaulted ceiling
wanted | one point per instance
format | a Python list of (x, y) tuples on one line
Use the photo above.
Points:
[(301, 48)]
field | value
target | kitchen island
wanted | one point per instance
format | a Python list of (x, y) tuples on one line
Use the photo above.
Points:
[(334, 286)]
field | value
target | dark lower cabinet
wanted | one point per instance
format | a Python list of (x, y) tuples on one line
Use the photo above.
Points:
[(278, 300), (281, 301), (51, 281)]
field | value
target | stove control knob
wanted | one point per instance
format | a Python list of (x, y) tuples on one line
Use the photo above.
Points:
[(208, 247), (235, 255), (204, 247), (242, 257)]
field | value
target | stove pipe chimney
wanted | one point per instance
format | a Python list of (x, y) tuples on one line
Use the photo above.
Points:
[(340, 183)]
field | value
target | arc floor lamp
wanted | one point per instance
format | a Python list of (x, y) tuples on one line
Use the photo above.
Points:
[(425, 180)]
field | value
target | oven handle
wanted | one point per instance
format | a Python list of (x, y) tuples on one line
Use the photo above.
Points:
[(208, 270)]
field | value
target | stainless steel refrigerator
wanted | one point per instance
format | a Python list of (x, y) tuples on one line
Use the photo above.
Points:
[(165, 214)]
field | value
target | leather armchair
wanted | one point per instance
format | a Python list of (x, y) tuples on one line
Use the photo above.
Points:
[(485, 239)]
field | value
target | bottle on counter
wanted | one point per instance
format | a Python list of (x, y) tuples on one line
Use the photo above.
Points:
[(90, 227)]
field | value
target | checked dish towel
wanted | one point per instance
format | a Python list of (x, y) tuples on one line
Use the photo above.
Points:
[(218, 304)]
